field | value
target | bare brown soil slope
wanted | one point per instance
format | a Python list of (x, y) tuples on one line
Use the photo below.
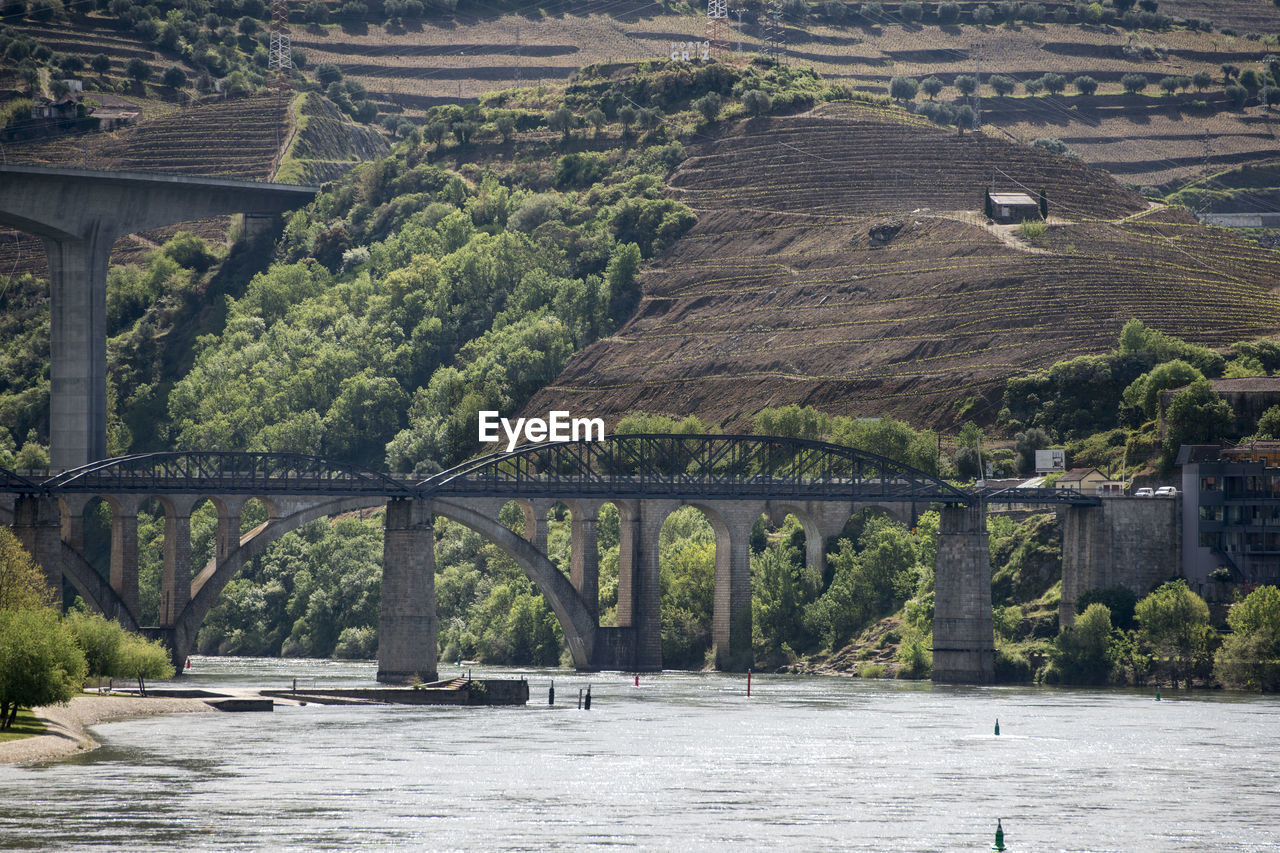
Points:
[(780, 294)]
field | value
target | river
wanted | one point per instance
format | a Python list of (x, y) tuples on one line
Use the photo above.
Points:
[(684, 761)]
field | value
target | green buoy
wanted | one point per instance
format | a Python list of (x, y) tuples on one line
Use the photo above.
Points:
[(999, 843), (997, 726), (1157, 692)]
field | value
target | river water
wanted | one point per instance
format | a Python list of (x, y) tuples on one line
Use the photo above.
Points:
[(684, 761)]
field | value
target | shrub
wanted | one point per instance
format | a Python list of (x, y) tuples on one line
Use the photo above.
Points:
[(1085, 84), (100, 63), (983, 15), (911, 12), (948, 13), (316, 12), (1237, 95), (1030, 229)]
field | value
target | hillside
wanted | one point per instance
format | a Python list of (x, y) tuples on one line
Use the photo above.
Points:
[(781, 293), (1149, 138)]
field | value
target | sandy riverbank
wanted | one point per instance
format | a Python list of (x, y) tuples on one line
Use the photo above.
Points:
[(66, 724)]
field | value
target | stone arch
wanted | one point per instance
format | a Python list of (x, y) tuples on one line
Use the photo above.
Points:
[(575, 619), (217, 573)]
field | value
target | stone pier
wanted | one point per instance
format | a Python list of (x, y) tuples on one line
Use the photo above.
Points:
[(407, 619), (963, 639)]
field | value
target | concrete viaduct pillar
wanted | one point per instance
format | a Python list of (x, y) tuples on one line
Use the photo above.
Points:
[(79, 214), (407, 619), (963, 639)]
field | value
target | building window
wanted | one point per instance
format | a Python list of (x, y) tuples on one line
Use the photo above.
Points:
[(1208, 484), (1211, 513)]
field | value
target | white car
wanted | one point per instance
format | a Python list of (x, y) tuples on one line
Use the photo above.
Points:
[(1144, 493), (1166, 492)]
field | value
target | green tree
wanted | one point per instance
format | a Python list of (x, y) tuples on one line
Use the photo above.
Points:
[(1080, 652), (1237, 95), (709, 106), (140, 658), (1002, 85), (903, 88), (1174, 623), (1085, 84), (781, 589), (1269, 424), (967, 84), (562, 120), (792, 421), (1196, 415), (40, 663), (100, 63), (99, 638), (757, 102), (138, 70), (932, 85), (1026, 443), (23, 585), (1133, 83), (1250, 657), (1144, 392), (866, 584)]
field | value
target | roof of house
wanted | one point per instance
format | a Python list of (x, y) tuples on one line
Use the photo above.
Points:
[(1013, 199), (1075, 475)]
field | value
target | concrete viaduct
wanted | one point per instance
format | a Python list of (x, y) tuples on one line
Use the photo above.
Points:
[(732, 479), (79, 214)]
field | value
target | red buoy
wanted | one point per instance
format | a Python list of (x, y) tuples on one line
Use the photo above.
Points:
[(188, 663), (637, 679)]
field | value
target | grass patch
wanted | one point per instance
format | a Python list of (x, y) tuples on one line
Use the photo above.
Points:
[(26, 725), (1030, 229), (871, 670)]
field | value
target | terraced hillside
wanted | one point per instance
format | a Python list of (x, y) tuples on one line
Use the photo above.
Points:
[(1149, 138), (839, 260)]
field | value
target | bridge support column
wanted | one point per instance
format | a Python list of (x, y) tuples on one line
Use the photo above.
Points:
[(963, 640), (731, 612), (640, 543), (78, 357), (175, 578), (37, 522), (584, 570), (124, 550), (407, 619)]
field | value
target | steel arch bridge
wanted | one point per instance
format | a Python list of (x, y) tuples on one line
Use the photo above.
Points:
[(224, 473), (687, 467), (693, 467)]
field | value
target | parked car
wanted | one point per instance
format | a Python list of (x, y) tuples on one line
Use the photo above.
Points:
[(1166, 492), (1144, 492)]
